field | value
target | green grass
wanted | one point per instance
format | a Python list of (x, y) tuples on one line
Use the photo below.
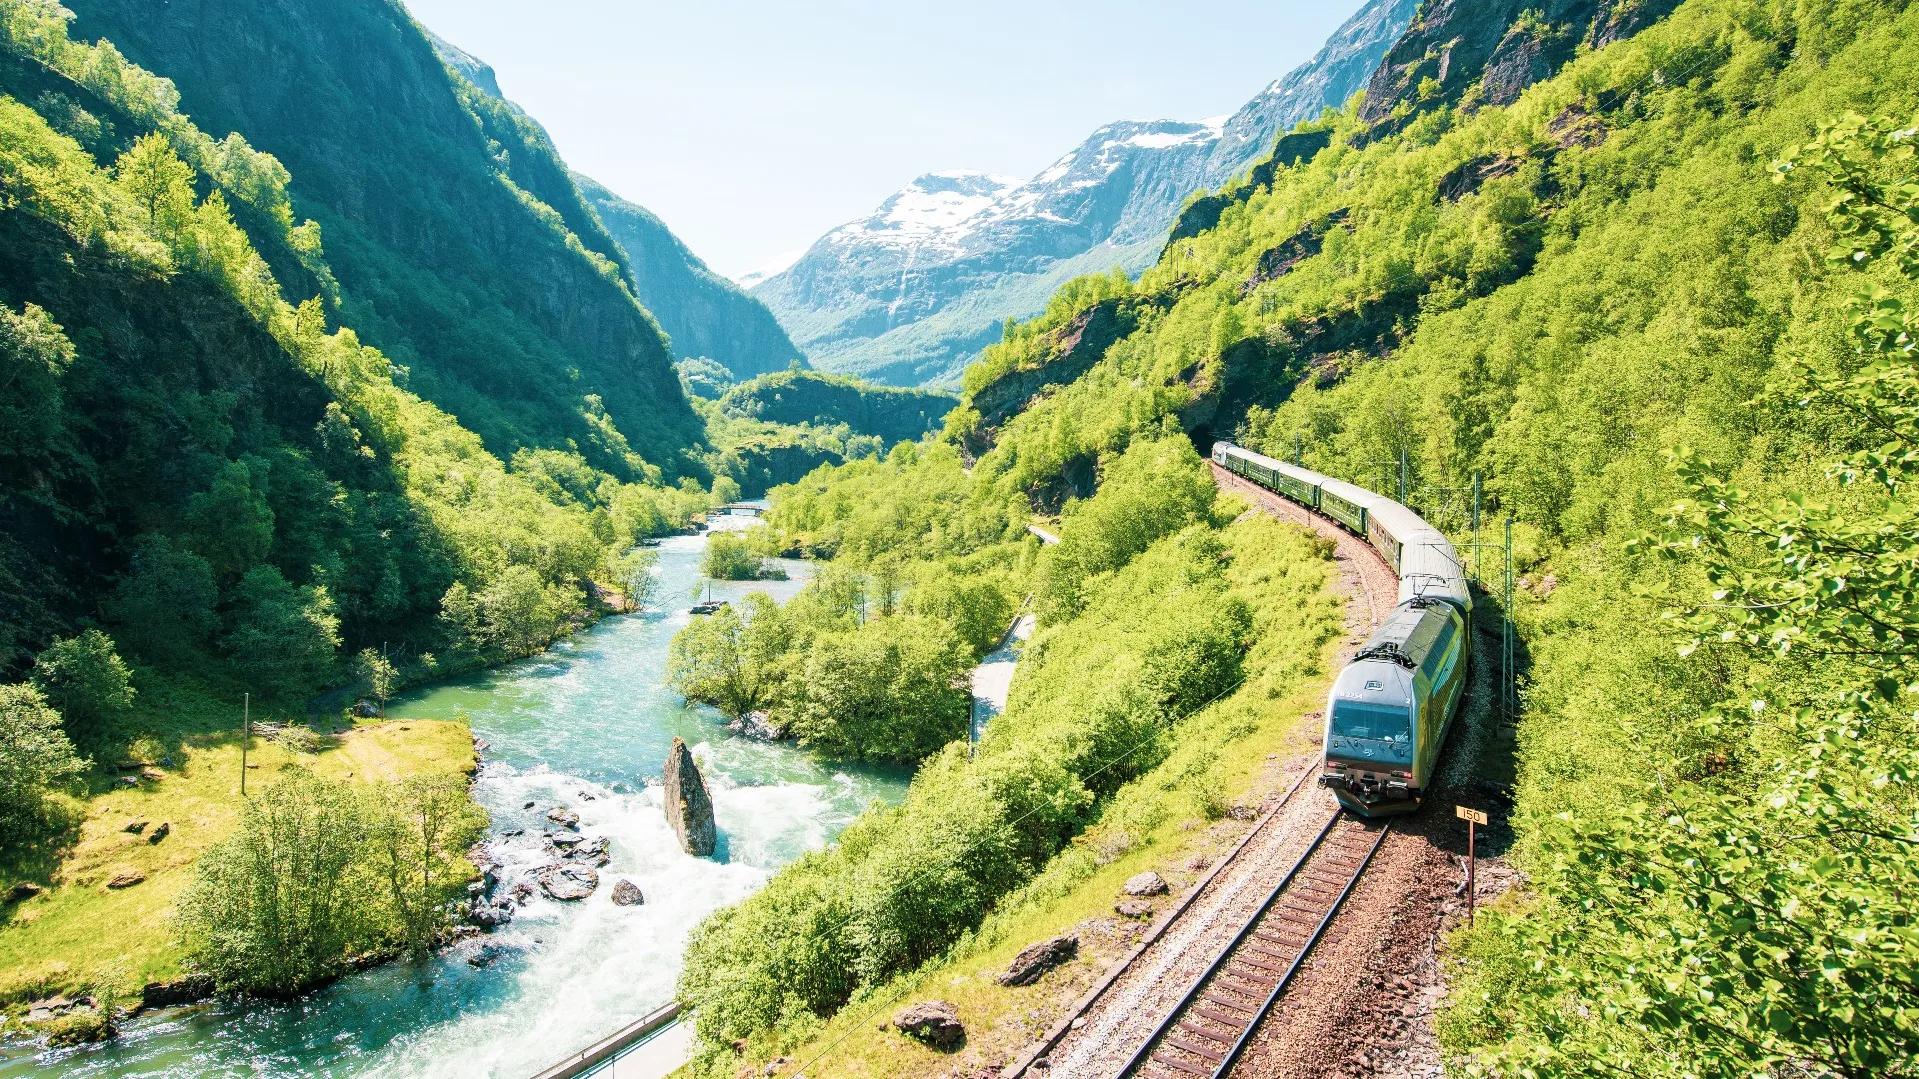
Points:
[(80, 936), (1233, 753)]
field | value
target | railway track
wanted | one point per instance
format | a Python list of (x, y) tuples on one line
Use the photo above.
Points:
[(1206, 1032)]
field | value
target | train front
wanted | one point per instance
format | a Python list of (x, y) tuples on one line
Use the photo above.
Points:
[(1371, 748)]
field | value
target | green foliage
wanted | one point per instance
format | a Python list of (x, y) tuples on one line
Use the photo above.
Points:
[(418, 832), (891, 689), (1153, 489), (802, 397), (976, 606), (632, 573), (282, 637), (1744, 928), (730, 557), (904, 883), (375, 676), (237, 482), (280, 907), (35, 758), (731, 659), (86, 681), (320, 874)]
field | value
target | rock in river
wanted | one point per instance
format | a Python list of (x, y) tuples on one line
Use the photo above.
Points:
[(627, 894), (688, 808), (933, 1022), (1028, 965), (563, 817), (568, 882)]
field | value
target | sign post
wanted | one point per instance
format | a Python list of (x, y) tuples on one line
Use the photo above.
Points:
[(1473, 818)]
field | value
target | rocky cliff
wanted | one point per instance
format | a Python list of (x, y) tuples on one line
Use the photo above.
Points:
[(911, 293), (466, 252), (703, 314)]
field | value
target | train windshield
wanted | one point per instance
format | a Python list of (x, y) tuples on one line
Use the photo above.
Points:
[(1373, 732)]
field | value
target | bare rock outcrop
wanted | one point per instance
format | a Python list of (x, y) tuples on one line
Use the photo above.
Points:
[(934, 1023), (1028, 966), (688, 807)]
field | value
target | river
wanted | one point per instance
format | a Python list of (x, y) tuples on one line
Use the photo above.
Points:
[(587, 724)]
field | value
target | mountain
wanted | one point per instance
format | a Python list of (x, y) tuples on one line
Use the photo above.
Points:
[(1628, 291), (462, 249), (703, 314), (911, 293)]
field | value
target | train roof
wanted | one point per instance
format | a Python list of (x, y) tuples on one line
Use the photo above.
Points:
[(1428, 564)]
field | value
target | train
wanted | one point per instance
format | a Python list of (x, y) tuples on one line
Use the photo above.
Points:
[(1390, 709)]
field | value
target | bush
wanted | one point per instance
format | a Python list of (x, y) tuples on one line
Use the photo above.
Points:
[(730, 557), (85, 680), (35, 757), (893, 689), (731, 659)]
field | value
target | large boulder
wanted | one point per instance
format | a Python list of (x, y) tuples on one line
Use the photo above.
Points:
[(933, 1022), (627, 894), (568, 882), (1145, 884), (688, 807), (1029, 965)]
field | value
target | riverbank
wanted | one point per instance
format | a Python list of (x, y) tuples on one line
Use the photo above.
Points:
[(587, 725), (100, 924)]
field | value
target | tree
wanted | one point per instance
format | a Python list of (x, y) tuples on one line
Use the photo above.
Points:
[(35, 756), (376, 676), (1745, 935), (283, 638), (730, 557), (419, 830), (286, 901), (230, 522), (521, 612), (34, 357), (164, 605), (159, 183), (976, 607), (86, 681), (731, 659), (633, 573), (892, 689)]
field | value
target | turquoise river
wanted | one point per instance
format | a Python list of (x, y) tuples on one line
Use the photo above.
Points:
[(587, 724)]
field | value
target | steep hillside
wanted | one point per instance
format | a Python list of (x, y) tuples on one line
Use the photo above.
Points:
[(206, 492), (911, 293), (1657, 309), (462, 247), (704, 315), (810, 397)]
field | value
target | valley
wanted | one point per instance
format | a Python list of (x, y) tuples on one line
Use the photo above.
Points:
[(1412, 577)]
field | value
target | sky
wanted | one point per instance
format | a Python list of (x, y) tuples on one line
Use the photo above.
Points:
[(753, 127)]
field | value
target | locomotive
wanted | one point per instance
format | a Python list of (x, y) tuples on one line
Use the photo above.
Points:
[(1390, 708)]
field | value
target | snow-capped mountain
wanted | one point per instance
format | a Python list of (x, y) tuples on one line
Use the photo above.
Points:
[(911, 293)]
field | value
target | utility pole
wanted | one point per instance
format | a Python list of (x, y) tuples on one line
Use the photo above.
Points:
[(1506, 691), (1405, 476), (1299, 450), (246, 735)]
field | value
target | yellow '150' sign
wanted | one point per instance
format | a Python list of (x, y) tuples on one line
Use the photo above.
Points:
[(1477, 816)]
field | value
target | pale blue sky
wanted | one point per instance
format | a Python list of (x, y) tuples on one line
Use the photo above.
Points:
[(753, 127)]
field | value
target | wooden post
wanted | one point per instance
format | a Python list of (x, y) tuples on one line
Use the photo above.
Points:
[(246, 735), (1473, 818)]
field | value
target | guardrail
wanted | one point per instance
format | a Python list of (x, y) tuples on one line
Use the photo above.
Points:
[(609, 1048)]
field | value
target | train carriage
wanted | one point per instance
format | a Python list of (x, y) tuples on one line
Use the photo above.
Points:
[(1389, 710)]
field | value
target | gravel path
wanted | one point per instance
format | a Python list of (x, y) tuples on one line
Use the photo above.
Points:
[(1125, 1013)]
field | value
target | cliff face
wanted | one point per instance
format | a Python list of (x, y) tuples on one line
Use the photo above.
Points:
[(1490, 51), (911, 293), (703, 314), (468, 255)]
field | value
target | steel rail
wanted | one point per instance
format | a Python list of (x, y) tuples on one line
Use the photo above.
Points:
[(1145, 1054), (1239, 1046), (1091, 996)]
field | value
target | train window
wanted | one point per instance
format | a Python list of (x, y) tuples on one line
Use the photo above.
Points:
[(1374, 732)]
